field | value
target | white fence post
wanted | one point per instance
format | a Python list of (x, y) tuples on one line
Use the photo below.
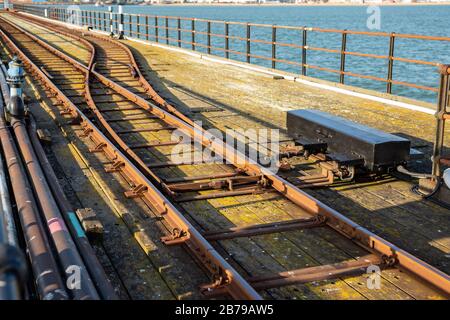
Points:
[(120, 10), (111, 27)]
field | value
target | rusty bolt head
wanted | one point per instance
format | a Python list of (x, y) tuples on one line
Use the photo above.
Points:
[(444, 69)]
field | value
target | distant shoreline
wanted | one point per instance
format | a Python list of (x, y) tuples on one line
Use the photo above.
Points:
[(329, 4)]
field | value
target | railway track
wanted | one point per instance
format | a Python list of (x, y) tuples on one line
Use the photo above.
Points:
[(134, 133)]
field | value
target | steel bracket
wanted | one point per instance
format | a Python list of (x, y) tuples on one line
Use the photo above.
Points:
[(218, 285), (136, 192), (86, 132), (116, 166), (389, 260), (98, 148), (66, 111), (177, 237)]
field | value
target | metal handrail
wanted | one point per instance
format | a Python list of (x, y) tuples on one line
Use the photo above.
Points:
[(162, 28)]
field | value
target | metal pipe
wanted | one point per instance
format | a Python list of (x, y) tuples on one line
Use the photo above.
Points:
[(193, 34), (10, 288), (79, 281), (274, 46), (403, 170), (304, 44), (8, 231), (247, 43), (48, 281), (147, 36), (138, 26), (343, 49), (179, 31), (390, 62), (167, 30), (227, 41), (93, 265)]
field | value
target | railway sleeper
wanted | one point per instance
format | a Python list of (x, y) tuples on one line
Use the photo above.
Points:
[(236, 192), (311, 274), (229, 183), (266, 228)]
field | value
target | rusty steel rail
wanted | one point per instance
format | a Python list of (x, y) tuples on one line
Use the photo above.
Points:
[(171, 31), (187, 234)]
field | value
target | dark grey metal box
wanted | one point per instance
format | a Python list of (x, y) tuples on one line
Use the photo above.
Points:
[(378, 149)]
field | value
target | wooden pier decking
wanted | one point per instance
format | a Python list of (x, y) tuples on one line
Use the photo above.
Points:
[(227, 97)]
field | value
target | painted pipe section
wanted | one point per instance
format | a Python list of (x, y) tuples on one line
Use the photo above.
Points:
[(48, 282), (78, 281), (93, 266)]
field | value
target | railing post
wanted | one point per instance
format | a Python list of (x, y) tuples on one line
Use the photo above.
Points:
[(443, 100), (147, 36), (343, 49), (111, 27), (179, 31), (130, 25), (193, 33), (156, 29), (116, 22), (167, 30), (227, 41), (248, 43), (208, 36), (390, 63), (120, 11), (138, 26), (90, 18), (104, 21), (274, 46), (304, 46)]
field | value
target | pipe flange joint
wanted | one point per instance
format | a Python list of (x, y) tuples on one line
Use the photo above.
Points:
[(16, 72)]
